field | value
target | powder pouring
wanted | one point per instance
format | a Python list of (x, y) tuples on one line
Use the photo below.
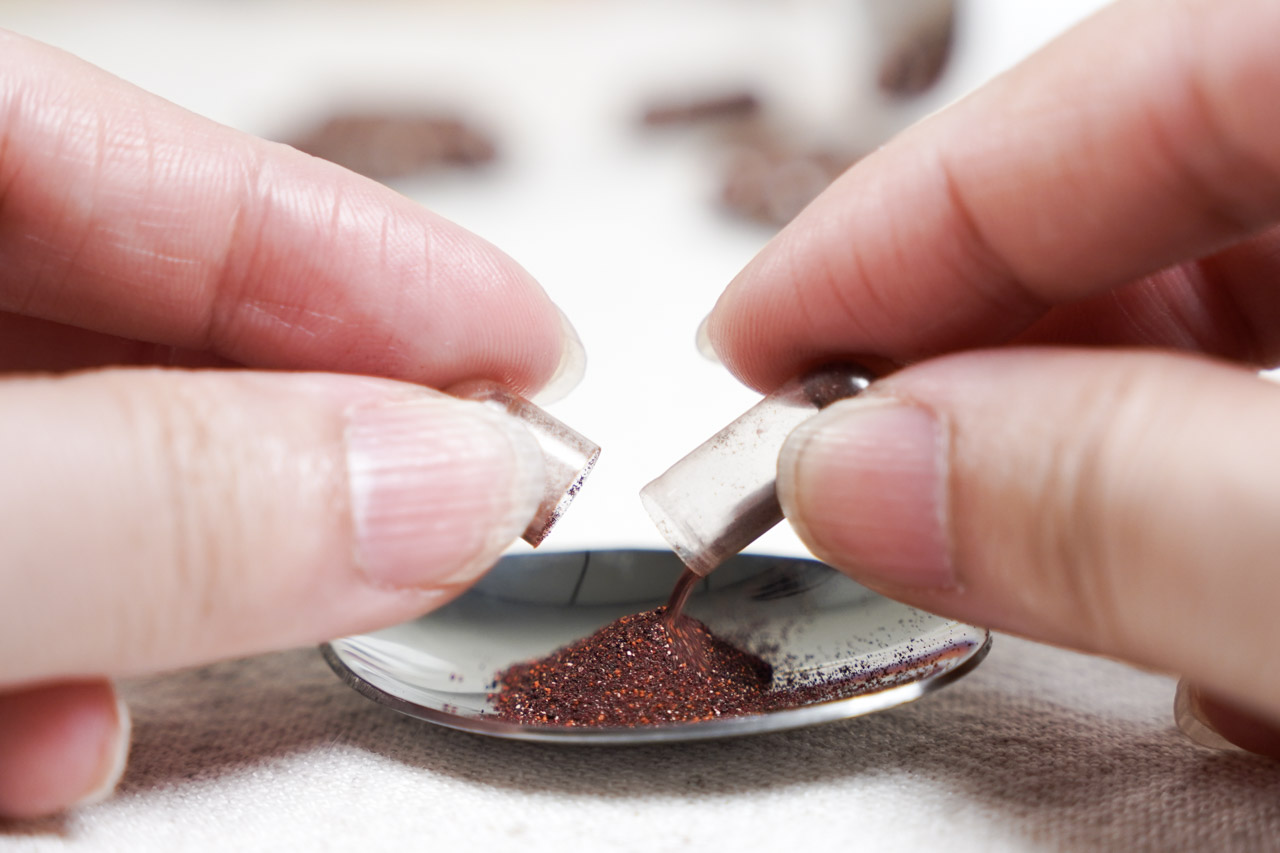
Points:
[(834, 648)]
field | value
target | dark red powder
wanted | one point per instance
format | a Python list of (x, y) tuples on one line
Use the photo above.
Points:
[(636, 671), (661, 666)]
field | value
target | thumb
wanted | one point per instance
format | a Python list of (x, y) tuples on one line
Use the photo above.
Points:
[(1121, 502), (151, 519)]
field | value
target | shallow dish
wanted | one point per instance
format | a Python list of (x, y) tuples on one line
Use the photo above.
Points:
[(811, 623)]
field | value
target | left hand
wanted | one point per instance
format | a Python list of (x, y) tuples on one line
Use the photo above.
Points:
[(152, 519)]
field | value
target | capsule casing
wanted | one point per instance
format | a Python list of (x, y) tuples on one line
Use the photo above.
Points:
[(567, 455), (722, 496)]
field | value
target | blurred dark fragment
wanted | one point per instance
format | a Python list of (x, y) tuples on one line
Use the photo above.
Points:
[(916, 58), (384, 146), (771, 181), (733, 105)]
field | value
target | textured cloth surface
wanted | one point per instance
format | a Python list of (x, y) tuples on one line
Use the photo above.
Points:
[(1038, 749)]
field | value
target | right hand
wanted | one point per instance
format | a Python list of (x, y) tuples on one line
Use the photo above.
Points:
[(1118, 196)]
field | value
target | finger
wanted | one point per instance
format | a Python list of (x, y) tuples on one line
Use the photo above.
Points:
[(61, 745), (1214, 722), (28, 344), (1096, 162), (208, 514), (123, 214), (1200, 306), (1121, 503)]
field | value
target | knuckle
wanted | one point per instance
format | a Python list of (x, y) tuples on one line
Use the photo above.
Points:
[(195, 530), (1085, 520)]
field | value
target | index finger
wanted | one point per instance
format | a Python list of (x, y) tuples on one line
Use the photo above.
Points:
[(1146, 136), (123, 214)]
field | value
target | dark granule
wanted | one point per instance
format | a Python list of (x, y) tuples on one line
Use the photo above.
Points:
[(693, 111), (914, 63), (845, 681), (636, 671), (391, 145), (661, 666), (770, 182)]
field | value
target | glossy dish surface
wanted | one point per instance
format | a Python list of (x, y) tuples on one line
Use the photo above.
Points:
[(811, 623)]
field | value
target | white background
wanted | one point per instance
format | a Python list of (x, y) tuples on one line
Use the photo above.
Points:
[(1039, 749)]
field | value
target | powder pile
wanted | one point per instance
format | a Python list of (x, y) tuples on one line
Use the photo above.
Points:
[(662, 666), (640, 670)]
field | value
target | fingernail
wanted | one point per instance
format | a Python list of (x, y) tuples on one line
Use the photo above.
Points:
[(702, 340), (1188, 713), (572, 367), (117, 755), (864, 484), (567, 455), (439, 487), (1219, 723)]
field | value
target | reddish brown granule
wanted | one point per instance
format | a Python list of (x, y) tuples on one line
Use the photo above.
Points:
[(692, 111), (917, 59), (771, 181), (384, 146), (638, 671), (635, 672)]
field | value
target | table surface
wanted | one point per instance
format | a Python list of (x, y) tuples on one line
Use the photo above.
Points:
[(1039, 749)]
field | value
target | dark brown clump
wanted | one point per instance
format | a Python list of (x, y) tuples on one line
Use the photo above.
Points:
[(771, 182), (637, 671), (384, 146), (693, 111), (641, 671), (916, 61)]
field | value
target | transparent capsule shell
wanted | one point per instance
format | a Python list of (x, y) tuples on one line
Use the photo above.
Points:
[(568, 456), (722, 496)]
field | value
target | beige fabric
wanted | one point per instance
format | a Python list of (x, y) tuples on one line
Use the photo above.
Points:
[(1039, 749)]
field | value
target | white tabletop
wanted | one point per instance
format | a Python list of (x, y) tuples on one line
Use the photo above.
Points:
[(1038, 749)]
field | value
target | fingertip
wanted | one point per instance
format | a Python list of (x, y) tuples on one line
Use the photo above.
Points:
[(703, 343), (439, 486), (737, 332), (115, 758), (864, 485), (339, 504), (1216, 723), (61, 746), (572, 367)]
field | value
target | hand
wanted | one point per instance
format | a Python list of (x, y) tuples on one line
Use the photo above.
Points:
[(152, 519), (1080, 263)]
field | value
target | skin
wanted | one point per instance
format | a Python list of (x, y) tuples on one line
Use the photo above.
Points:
[(158, 518), (1075, 269), (1113, 198)]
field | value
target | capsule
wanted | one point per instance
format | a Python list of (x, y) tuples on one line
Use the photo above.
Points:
[(722, 496), (568, 456)]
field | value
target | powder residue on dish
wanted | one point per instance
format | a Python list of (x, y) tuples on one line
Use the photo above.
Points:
[(648, 669)]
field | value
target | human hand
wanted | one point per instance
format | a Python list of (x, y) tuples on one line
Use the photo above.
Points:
[(152, 519), (1116, 196)]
